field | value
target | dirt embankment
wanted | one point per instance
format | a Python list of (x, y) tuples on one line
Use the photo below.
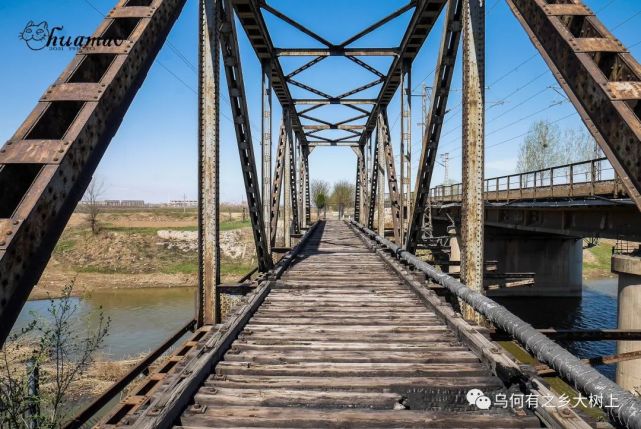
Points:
[(140, 250)]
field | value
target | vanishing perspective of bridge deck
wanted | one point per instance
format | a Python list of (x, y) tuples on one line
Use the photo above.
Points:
[(358, 322)]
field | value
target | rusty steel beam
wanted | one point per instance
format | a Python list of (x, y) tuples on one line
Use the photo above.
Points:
[(250, 17), (242, 126), (316, 101), (209, 309), (335, 51), (266, 146), (308, 207), (391, 175), (473, 149), (357, 189), (279, 173), (374, 185), (379, 23), (293, 186), (48, 163), (600, 77), (434, 123), (421, 22)]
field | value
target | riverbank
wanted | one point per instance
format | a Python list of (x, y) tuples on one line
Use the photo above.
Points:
[(596, 260), (147, 248)]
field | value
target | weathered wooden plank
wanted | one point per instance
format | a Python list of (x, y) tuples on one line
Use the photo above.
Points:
[(369, 356), (394, 384), (362, 369), (338, 418), (226, 396)]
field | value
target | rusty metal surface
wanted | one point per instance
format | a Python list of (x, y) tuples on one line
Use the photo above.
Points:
[(391, 175), (242, 126), (586, 58), (434, 124), (208, 309), (473, 148), (419, 27), (279, 173), (266, 147), (40, 185), (373, 190)]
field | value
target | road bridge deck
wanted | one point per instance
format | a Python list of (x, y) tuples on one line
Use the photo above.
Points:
[(343, 340)]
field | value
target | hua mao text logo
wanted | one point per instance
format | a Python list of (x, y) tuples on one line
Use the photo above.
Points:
[(39, 36)]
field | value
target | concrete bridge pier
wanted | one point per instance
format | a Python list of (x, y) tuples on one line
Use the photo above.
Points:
[(629, 317), (556, 261)]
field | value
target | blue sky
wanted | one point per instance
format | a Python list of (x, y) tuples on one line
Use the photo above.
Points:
[(153, 156)]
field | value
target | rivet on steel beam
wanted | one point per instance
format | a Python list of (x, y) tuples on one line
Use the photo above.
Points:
[(16, 222), (9, 232), (3, 243)]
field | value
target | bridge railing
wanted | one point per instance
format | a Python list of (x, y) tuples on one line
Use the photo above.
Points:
[(587, 178)]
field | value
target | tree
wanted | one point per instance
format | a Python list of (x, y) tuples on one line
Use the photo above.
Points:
[(320, 194), (541, 148), (343, 196), (92, 195), (40, 363)]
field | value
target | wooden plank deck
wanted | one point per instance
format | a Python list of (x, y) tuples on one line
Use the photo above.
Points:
[(342, 341)]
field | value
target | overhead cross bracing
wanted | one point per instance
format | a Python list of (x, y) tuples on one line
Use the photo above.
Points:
[(360, 114)]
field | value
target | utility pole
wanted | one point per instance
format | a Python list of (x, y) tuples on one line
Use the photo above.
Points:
[(445, 157)]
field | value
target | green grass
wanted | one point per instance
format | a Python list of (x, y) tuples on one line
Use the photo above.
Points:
[(556, 384), (191, 267), (234, 224), (188, 267), (65, 244), (603, 255)]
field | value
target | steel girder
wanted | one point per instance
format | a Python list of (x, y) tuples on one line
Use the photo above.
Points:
[(208, 309), (391, 174), (434, 123), (419, 27), (48, 163), (279, 172), (242, 126), (308, 220), (250, 17), (293, 184), (373, 185), (472, 213), (266, 146), (600, 77), (357, 193)]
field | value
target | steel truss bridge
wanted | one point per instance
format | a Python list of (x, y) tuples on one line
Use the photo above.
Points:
[(347, 329)]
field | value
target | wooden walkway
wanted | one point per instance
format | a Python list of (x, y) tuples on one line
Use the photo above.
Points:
[(344, 342)]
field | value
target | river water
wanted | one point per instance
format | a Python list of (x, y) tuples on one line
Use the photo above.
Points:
[(142, 318)]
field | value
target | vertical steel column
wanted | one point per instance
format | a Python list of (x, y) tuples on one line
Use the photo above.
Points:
[(374, 185), (242, 127), (208, 311), (293, 185), (391, 176), (401, 152), (279, 173), (300, 185), (287, 203), (266, 132), (357, 189), (406, 142), (473, 148), (308, 209), (381, 179)]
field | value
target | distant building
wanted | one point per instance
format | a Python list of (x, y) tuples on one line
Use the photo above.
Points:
[(183, 203)]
